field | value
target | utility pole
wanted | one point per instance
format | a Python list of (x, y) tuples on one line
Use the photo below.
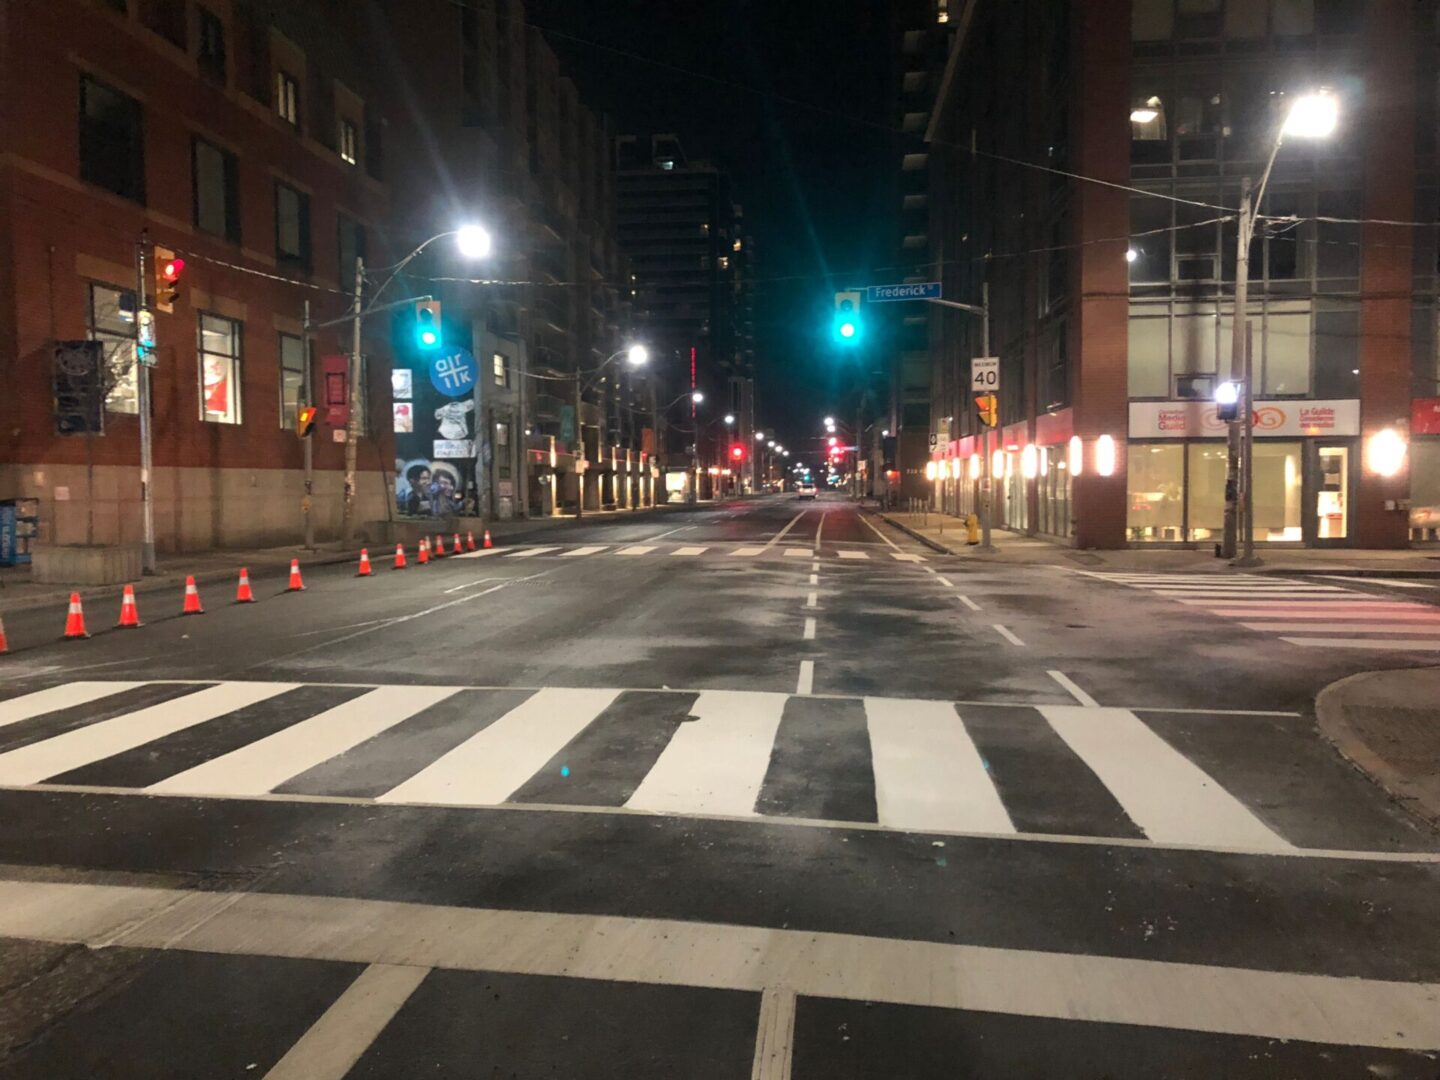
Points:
[(1237, 373), (307, 398), (987, 484), (1247, 476), (352, 422), (578, 450), (142, 394)]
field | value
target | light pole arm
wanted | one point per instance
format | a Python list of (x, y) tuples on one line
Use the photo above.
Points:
[(401, 266)]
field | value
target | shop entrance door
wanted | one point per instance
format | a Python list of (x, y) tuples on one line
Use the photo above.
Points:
[(1329, 491)]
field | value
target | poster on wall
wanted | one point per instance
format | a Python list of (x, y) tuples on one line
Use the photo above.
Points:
[(404, 417), (434, 441), (402, 384)]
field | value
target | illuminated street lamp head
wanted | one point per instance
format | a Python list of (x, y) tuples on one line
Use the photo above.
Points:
[(637, 355), (771, 444), (759, 436), (729, 418), (1313, 116), (473, 241), (1131, 255), (829, 421), (786, 453), (697, 397)]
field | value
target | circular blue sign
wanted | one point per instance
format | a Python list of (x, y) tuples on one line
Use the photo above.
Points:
[(454, 372)]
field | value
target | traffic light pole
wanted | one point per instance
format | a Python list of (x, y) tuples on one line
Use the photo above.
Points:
[(352, 422), (307, 392), (142, 393)]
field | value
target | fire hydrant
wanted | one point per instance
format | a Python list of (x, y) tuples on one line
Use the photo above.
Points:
[(972, 527)]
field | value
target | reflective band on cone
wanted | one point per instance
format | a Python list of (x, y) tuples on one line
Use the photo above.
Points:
[(296, 585), (399, 563), (129, 613), (424, 554), (364, 563), (243, 595), (469, 541), (457, 549), (75, 619), (192, 599), (488, 542), (439, 545)]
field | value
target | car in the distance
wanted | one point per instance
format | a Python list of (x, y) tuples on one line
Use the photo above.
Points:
[(805, 491)]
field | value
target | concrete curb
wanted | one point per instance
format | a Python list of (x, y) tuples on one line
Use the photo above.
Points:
[(1334, 723), (933, 545)]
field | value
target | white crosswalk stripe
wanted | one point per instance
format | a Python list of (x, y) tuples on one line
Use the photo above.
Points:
[(905, 556), (689, 550), (581, 552), (1279, 606), (721, 550), (928, 770), (847, 553), (526, 553), (635, 549)]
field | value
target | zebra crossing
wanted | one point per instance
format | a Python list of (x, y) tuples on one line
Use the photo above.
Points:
[(727, 551), (902, 764), (1307, 613)]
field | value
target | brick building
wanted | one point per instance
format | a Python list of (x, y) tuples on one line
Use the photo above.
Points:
[(1091, 176), (243, 135)]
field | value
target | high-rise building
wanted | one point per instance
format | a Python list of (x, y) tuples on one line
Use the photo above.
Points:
[(1092, 162), (691, 262)]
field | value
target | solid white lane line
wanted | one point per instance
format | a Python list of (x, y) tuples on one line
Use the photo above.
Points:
[(1402, 645), (805, 684), (578, 552), (905, 556), (54, 698), (814, 579), (894, 546), (1430, 627), (809, 634), (95, 742), (267, 763), (944, 581), (716, 763), (847, 553), (928, 773), (1006, 633), (1170, 797), (969, 603), (635, 549), (525, 553), (336, 1041), (774, 1036), (811, 599), (1216, 1000), (820, 529), (747, 552), (797, 553), (781, 534), (490, 765), (1073, 690), (692, 550)]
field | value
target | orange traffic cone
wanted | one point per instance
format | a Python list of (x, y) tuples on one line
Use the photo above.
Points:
[(399, 563), (296, 585), (192, 599), (440, 546), (487, 543), (364, 563), (129, 613), (4, 644), (243, 595), (75, 619), (457, 548), (469, 541), (424, 551)]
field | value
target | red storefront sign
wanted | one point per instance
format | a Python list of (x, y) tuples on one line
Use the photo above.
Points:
[(1425, 416)]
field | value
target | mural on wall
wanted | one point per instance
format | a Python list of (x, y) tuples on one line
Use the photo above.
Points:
[(434, 445)]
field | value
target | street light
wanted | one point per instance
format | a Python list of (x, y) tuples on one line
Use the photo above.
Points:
[(697, 397), (637, 355), (473, 241), (829, 421), (1312, 116), (759, 436), (729, 419)]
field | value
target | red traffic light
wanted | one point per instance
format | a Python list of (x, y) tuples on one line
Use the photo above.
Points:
[(171, 268), (737, 452)]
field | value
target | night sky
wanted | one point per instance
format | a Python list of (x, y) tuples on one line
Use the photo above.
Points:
[(816, 187)]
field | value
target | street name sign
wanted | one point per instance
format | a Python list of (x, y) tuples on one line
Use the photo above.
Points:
[(985, 374), (923, 290)]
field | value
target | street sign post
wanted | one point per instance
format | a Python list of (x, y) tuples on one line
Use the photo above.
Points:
[(985, 374), (923, 290)]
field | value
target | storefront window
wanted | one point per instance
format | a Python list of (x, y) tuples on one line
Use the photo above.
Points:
[(1207, 490), (1425, 489), (1155, 482), (1054, 495), (1278, 491)]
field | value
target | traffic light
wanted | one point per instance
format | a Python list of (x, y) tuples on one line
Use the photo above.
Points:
[(988, 407), (737, 453), (1227, 401), (168, 271), (305, 421), (427, 325), (847, 325)]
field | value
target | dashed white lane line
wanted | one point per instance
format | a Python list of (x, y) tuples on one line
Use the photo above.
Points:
[(810, 600), (1006, 633), (1074, 691), (814, 579), (805, 684), (944, 581), (969, 603), (809, 634)]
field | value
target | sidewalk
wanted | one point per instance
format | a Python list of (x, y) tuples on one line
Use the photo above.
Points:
[(947, 535), (1387, 723)]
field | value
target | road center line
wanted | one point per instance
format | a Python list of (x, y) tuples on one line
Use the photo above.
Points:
[(806, 682), (1006, 634), (814, 579), (969, 603), (809, 634), (812, 598), (1074, 691)]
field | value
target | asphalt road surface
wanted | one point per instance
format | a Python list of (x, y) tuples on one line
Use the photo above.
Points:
[(760, 789)]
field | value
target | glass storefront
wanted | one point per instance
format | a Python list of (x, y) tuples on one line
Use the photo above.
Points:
[(1053, 494), (1425, 490), (1176, 492)]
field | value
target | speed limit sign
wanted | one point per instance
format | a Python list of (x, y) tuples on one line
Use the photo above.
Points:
[(985, 374)]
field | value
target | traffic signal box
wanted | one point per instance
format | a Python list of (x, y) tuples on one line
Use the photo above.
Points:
[(847, 324), (305, 421), (987, 406), (428, 336), (168, 273)]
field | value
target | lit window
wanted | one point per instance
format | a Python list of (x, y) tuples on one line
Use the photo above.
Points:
[(501, 371), (737, 245), (111, 320), (347, 140), (287, 98), (219, 369), (292, 378), (724, 262), (1147, 120)]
